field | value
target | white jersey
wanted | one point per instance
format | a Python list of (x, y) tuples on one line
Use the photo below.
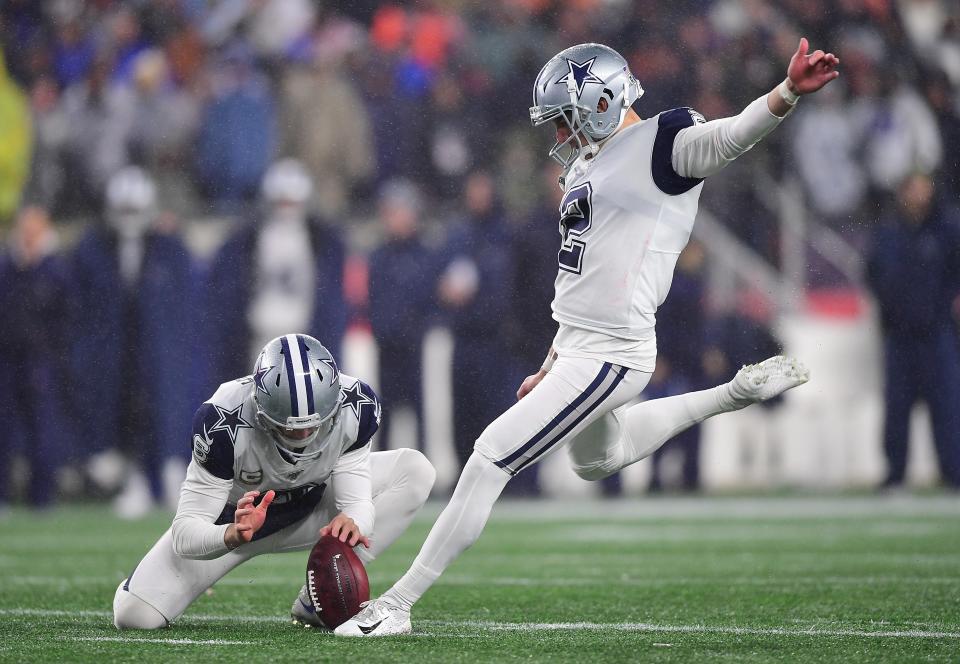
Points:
[(624, 219), (228, 444)]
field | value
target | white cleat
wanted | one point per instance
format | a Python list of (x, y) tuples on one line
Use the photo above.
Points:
[(303, 613), (376, 618), (767, 379)]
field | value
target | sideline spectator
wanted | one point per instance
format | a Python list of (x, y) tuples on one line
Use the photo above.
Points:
[(680, 331), (914, 271), (282, 272), (473, 290), (402, 281), (35, 379), (132, 315), (237, 133), (325, 124)]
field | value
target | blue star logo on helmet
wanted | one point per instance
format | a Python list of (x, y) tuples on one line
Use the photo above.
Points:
[(332, 363), (580, 73), (259, 374), (230, 421)]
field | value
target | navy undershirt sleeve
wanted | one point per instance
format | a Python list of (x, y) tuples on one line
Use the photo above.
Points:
[(669, 124)]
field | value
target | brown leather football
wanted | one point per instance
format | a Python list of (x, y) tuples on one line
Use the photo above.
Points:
[(336, 581)]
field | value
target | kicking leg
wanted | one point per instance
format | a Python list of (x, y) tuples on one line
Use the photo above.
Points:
[(648, 425), (573, 395)]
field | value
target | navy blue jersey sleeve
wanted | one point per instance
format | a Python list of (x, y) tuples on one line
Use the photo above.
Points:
[(212, 445), (365, 404), (669, 125)]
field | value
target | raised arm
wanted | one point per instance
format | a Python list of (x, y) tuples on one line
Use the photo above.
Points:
[(705, 148)]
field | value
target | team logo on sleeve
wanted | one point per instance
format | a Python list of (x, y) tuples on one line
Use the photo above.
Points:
[(230, 421), (354, 398), (697, 117)]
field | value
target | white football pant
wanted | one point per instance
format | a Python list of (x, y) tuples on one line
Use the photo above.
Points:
[(164, 584)]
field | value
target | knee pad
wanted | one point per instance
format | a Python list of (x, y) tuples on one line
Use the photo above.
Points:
[(131, 612)]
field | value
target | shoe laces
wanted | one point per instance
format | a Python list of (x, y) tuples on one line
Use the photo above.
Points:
[(369, 611)]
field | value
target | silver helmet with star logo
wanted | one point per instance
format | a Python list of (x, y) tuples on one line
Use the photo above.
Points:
[(296, 389), (588, 87)]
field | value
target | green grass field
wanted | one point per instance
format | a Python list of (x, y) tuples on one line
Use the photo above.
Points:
[(856, 579)]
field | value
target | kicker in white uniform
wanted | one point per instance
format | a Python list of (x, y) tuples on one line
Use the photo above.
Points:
[(631, 190)]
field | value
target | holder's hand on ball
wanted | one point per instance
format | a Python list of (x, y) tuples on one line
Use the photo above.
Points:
[(346, 530), (248, 518)]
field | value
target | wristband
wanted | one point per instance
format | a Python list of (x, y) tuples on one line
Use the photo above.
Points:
[(548, 362), (786, 94)]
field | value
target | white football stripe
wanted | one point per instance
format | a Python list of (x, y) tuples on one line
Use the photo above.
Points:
[(549, 582), (176, 642), (495, 626), (687, 629), (63, 613), (297, 361)]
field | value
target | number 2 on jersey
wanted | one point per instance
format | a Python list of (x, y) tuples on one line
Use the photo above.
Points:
[(575, 221)]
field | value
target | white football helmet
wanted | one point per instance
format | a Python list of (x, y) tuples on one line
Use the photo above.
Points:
[(297, 393), (571, 85)]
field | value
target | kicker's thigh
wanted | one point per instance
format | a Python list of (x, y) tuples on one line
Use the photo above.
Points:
[(571, 396), (598, 447)]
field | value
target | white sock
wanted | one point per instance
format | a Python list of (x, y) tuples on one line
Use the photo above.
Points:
[(645, 427), (456, 529)]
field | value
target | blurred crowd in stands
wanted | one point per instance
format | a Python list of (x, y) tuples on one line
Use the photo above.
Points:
[(395, 136)]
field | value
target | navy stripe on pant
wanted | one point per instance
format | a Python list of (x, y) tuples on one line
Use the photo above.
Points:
[(555, 430)]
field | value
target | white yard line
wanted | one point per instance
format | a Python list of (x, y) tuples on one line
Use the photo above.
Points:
[(459, 625), (638, 532), (733, 508), (174, 642), (685, 629), (64, 613), (556, 582)]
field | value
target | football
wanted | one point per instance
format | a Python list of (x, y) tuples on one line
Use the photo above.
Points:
[(336, 581)]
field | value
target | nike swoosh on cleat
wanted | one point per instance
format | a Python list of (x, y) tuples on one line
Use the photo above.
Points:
[(369, 628), (309, 609)]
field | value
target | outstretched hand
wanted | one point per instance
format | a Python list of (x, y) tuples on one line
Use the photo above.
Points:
[(249, 518), (810, 72)]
